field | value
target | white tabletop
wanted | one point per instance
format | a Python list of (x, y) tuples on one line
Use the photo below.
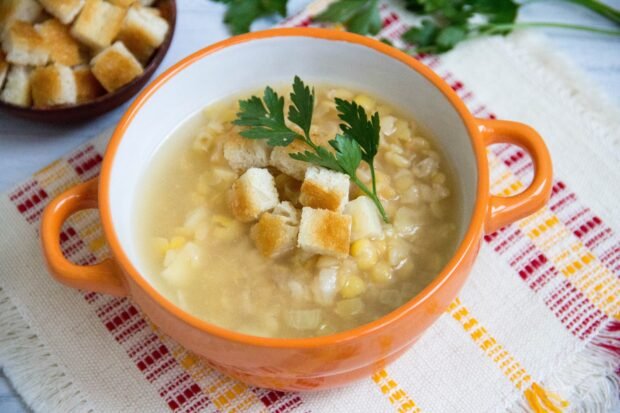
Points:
[(26, 147)]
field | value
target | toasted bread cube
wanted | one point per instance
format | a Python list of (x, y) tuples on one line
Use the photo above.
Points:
[(115, 66), (280, 158), (273, 235), (4, 68), (324, 232), (123, 3), (62, 48), (242, 153), (63, 10), (24, 46), (53, 85), (86, 85), (365, 219), (324, 189), (143, 31), (17, 88), (98, 24), (14, 10), (253, 193)]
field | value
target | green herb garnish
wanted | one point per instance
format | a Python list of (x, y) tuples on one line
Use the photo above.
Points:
[(445, 23), (359, 140), (448, 22), (241, 13), (359, 16)]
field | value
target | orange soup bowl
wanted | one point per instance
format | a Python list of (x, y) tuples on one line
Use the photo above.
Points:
[(250, 62)]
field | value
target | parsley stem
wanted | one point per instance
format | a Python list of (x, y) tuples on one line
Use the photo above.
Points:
[(374, 179), (371, 195), (600, 8), (501, 28)]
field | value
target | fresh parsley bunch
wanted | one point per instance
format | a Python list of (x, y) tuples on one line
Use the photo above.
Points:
[(359, 140), (444, 24)]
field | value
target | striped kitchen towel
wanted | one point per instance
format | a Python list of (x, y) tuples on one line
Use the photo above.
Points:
[(536, 327)]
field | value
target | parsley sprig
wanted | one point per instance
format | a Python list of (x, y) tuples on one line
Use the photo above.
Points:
[(359, 140)]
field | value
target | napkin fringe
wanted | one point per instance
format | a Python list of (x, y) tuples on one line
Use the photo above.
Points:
[(592, 376), (32, 368)]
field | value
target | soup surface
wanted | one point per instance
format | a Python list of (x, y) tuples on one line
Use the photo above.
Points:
[(245, 274)]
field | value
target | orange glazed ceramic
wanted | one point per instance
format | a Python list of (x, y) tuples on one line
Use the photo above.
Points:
[(249, 62)]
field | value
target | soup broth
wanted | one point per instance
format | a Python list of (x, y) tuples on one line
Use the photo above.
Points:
[(212, 264)]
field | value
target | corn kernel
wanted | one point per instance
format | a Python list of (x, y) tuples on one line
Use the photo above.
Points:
[(364, 253), (381, 273), (223, 220), (348, 308), (353, 286), (439, 178), (176, 242), (397, 160), (380, 246), (420, 143), (403, 132), (403, 182), (160, 244), (366, 102)]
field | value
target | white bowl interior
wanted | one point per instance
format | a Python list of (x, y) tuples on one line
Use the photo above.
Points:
[(254, 64)]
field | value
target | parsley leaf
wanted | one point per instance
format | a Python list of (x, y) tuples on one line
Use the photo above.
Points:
[(348, 153), (357, 125), (265, 122), (303, 105), (359, 16), (241, 13), (320, 157), (424, 35)]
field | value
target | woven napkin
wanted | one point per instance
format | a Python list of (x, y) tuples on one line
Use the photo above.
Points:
[(534, 329)]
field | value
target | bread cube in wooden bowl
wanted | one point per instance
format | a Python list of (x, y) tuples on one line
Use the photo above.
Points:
[(68, 61)]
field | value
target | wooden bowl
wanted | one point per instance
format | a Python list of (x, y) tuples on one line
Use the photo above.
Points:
[(105, 103)]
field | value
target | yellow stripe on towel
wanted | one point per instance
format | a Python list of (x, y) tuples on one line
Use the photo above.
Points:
[(539, 399), (396, 394)]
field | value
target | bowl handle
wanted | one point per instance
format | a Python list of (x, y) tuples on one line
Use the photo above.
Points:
[(506, 210), (104, 277)]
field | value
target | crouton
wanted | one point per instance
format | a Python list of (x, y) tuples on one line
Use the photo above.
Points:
[(143, 32), (123, 3), (280, 159), (14, 10), (62, 48), (365, 219), (98, 24), (4, 68), (17, 88), (324, 232), (86, 85), (273, 235), (242, 153), (115, 66), (253, 193), (324, 189), (63, 10), (53, 85), (24, 46)]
